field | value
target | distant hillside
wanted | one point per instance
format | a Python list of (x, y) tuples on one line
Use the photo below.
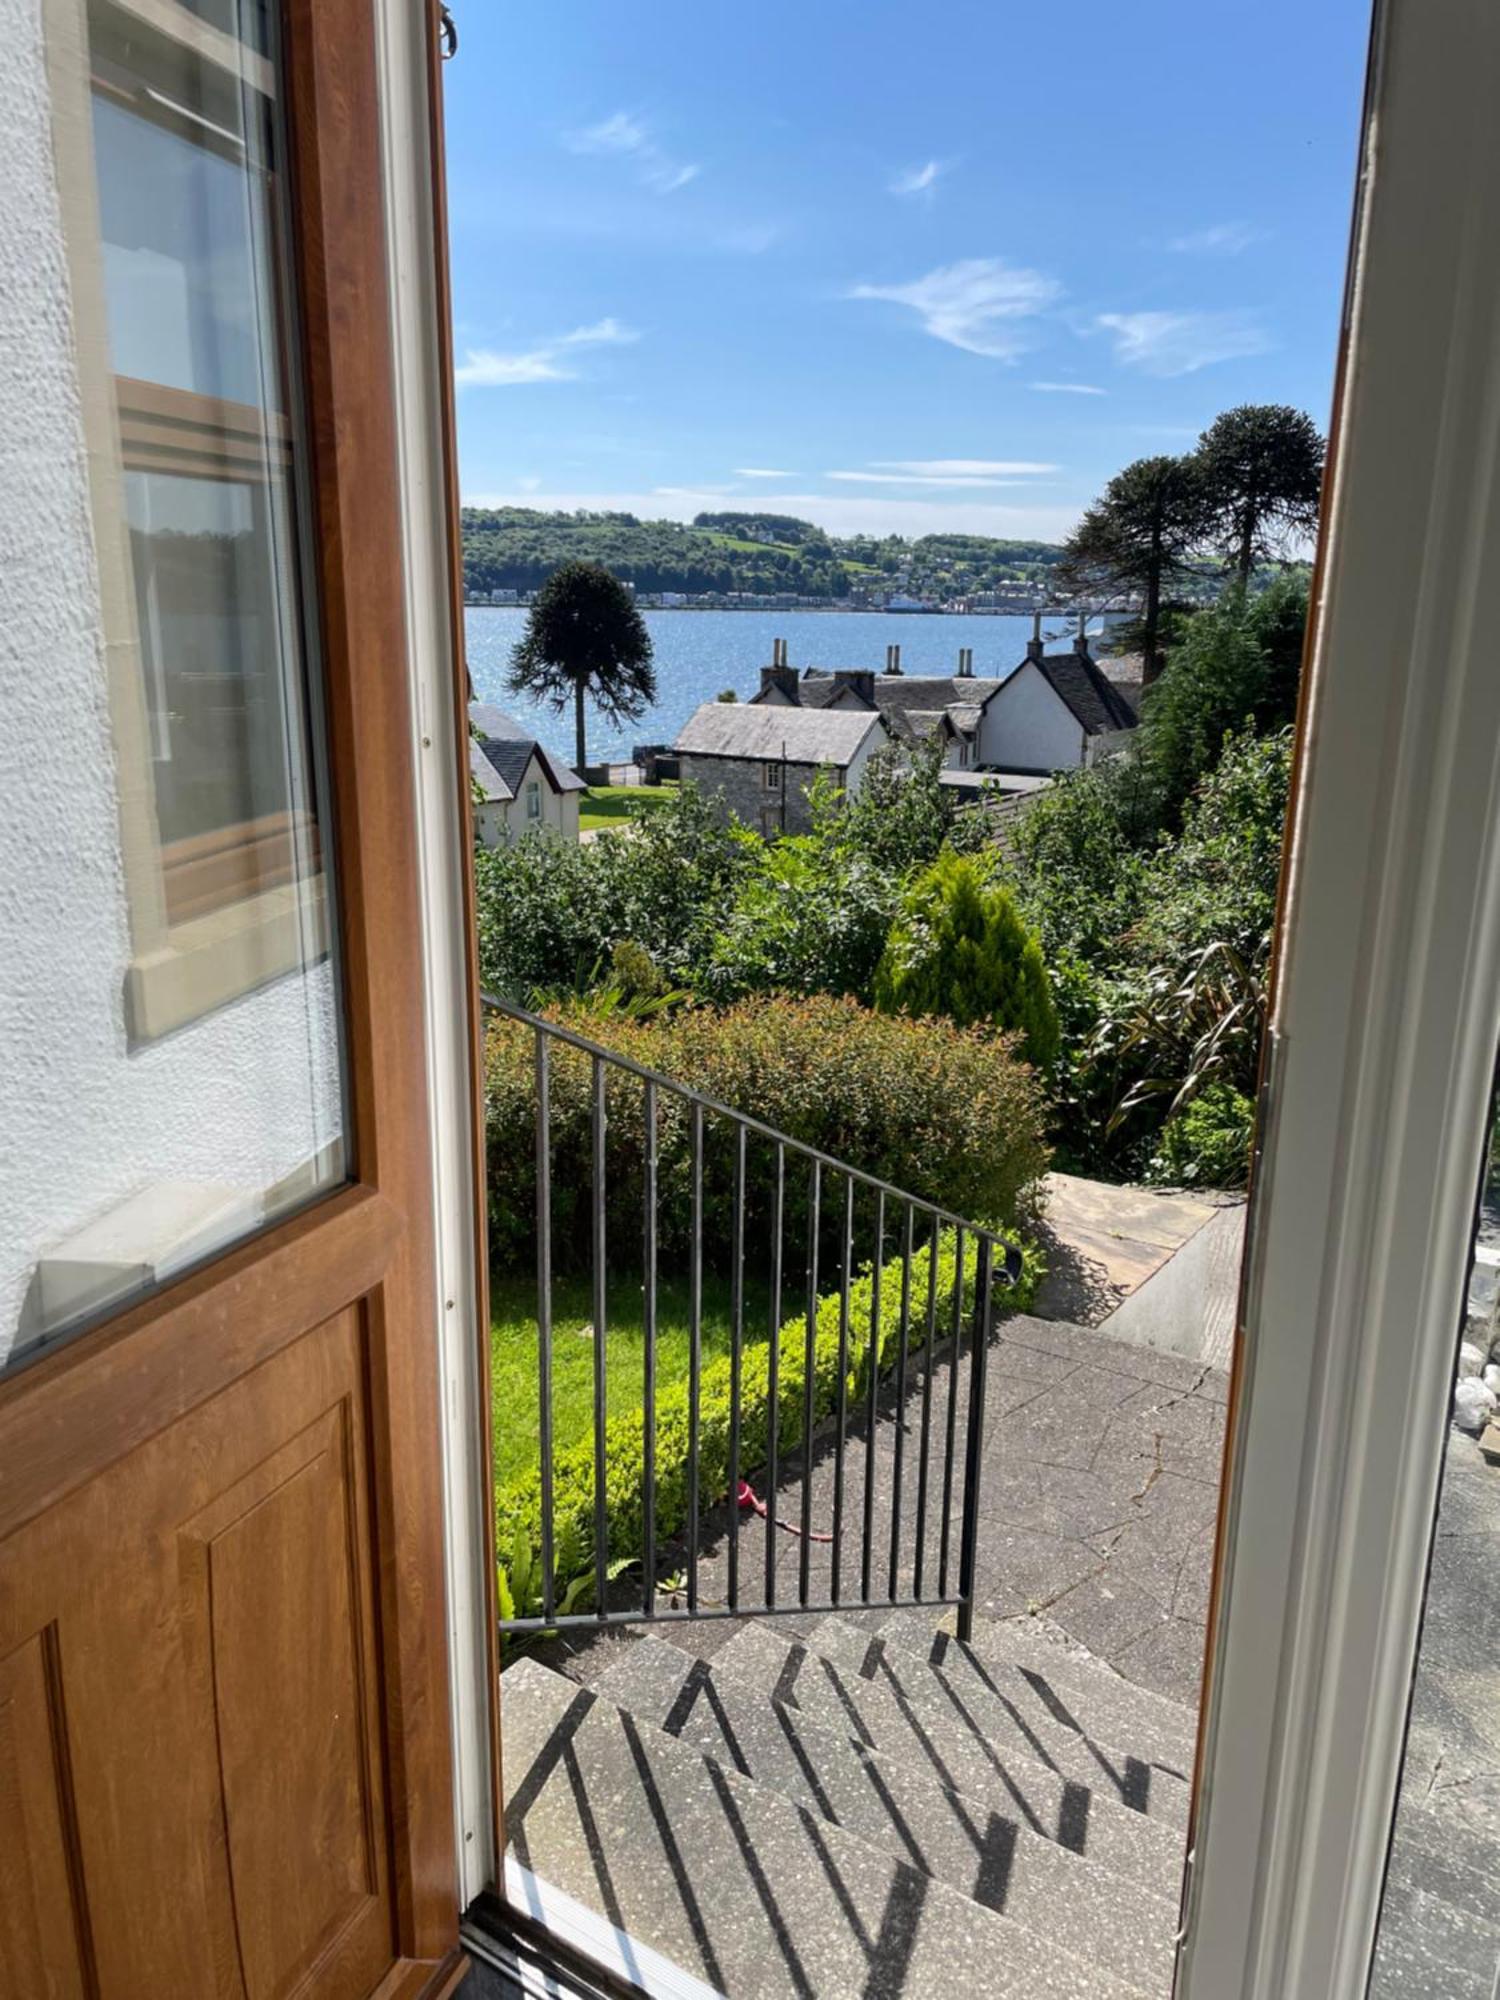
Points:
[(516, 548)]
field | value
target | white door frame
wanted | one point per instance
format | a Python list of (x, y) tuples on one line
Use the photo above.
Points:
[(1384, 1028), (403, 29)]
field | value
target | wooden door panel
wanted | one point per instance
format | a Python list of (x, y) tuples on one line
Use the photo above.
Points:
[(43, 1938), (272, 1582), (201, 1615)]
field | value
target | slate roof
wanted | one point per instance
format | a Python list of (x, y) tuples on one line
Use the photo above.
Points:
[(747, 729), (492, 787), (1094, 702), (506, 748)]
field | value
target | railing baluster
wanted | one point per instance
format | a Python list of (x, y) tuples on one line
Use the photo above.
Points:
[(974, 1456), (648, 1364), (773, 1373), (872, 1401), (809, 1377), (930, 1340), (601, 1384), (951, 1432), (736, 1356), (899, 1449), (695, 1356), (544, 1305), (841, 1414)]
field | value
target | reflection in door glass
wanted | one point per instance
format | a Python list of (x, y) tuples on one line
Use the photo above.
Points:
[(1439, 1921), (170, 1020)]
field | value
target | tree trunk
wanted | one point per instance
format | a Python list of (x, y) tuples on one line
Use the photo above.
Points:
[(581, 741), (1151, 662), (1244, 562)]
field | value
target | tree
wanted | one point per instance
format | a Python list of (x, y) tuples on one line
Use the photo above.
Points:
[(959, 947), (1140, 535), (1236, 665), (1262, 473), (585, 637)]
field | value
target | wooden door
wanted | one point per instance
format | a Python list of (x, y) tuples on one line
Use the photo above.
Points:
[(224, 1736)]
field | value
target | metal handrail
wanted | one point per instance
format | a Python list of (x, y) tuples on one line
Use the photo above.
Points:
[(822, 1165)]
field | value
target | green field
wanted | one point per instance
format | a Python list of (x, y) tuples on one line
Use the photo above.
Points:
[(611, 806)]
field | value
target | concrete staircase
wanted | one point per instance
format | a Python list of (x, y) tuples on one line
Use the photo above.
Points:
[(842, 1810)]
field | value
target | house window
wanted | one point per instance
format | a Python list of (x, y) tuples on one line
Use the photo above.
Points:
[(533, 800), (173, 191), (770, 777)]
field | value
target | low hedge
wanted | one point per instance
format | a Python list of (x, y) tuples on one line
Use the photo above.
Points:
[(950, 1114), (518, 1504)]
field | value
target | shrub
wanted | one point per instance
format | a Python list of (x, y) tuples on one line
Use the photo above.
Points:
[(1207, 1144), (947, 1114), (959, 948), (518, 1504), (809, 917)]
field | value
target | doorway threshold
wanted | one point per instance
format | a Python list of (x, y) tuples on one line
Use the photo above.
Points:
[(541, 1943)]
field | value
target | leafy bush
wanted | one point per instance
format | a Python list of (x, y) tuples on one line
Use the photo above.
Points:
[(1236, 666), (518, 1504), (959, 948), (550, 914), (947, 1114), (1207, 1144)]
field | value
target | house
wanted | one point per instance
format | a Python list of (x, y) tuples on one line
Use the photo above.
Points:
[(1056, 711), (519, 786), (1053, 712), (761, 762), (251, 1705)]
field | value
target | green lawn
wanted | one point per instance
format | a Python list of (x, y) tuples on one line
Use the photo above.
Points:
[(612, 805), (513, 1355)]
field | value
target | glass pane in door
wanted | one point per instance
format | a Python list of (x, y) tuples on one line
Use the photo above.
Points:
[(169, 1017), (1440, 1920)]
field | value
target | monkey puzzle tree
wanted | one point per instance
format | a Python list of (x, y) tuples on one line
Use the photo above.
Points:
[(1262, 473), (1139, 535), (585, 639)]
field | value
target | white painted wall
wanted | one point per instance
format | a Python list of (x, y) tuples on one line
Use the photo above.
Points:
[(241, 1097), (1028, 727), (855, 770), (501, 822)]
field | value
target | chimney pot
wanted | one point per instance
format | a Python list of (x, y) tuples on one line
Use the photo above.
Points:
[(1034, 643)]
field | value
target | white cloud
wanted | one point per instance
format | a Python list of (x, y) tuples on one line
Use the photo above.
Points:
[(843, 512), (1180, 343), (1219, 239), (990, 468), (1065, 389), (913, 479), (630, 137), (974, 304), (761, 472), (485, 368), (918, 180)]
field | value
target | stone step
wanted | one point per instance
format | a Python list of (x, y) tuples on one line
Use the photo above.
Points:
[(1035, 1731), (1427, 1949), (940, 1741), (1444, 1858), (1068, 1684), (737, 1885), (996, 1858)]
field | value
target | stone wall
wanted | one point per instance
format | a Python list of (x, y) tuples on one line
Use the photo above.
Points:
[(737, 784)]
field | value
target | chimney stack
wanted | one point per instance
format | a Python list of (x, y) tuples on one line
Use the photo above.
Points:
[(1083, 637), (1034, 643), (966, 663), (893, 659), (779, 675)]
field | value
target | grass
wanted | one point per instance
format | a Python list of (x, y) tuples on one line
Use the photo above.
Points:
[(611, 806), (513, 1356)]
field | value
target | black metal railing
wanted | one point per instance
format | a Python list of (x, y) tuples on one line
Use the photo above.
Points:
[(918, 1226)]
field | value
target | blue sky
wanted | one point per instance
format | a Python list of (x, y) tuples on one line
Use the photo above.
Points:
[(887, 268)]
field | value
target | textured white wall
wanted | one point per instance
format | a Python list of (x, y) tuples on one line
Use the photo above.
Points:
[(240, 1097), (1029, 728)]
